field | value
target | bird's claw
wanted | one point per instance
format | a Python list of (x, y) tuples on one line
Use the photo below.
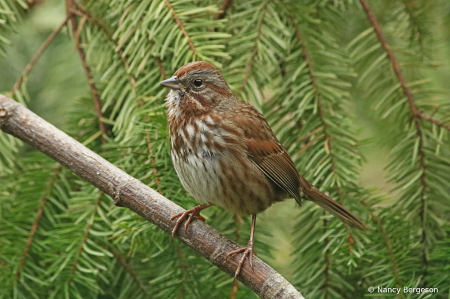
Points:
[(194, 212), (247, 251)]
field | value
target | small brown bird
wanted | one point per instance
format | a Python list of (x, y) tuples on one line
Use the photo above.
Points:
[(226, 154)]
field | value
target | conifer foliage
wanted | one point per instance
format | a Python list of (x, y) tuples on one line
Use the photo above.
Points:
[(333, 78)]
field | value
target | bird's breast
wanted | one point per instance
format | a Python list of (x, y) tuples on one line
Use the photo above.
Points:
[(213, 167)]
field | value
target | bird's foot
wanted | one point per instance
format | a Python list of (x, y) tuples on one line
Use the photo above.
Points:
[(194, 212), (247, 251)]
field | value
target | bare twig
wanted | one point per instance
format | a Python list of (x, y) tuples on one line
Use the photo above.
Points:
[(128, 192), (87, 69), (38, 54)]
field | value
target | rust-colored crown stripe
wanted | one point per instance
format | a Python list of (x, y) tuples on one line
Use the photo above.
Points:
[(196, 65)]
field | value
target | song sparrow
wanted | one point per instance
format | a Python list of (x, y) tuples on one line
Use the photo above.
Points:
[(226, 154)]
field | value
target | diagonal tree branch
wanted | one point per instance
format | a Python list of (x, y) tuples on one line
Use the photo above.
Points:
[(128, 192)]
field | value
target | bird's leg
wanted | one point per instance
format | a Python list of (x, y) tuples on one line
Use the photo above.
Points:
[(194, 212), (248, 251)]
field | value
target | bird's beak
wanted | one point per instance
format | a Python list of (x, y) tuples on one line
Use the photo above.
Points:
[(172, 83)]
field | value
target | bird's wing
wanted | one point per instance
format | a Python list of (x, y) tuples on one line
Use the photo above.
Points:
[(272, 158), (267, 153)]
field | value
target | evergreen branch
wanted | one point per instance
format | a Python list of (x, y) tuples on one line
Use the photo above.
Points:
[(84, 13), (415, 114), (132, 81), (395, 65), (38, 54), (311, 142), (251, 61), (161, 68), (327, 137), (91, 19), (326, 283), (309, 134), (184, 271), (85, 237), (129, 270), (180, 25), (153, 163), (434, 121), (223, 9), (388, 242), (35, 224), (87, 69), (329, 149), (327, 144), (127, 191), (414, 22)]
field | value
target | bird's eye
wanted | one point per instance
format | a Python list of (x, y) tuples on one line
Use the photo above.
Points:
[(198, 82)]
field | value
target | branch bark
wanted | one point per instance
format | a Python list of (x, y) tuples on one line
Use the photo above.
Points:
[(126, 191)]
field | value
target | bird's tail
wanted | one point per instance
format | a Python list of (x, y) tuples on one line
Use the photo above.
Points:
[(313, 194)]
